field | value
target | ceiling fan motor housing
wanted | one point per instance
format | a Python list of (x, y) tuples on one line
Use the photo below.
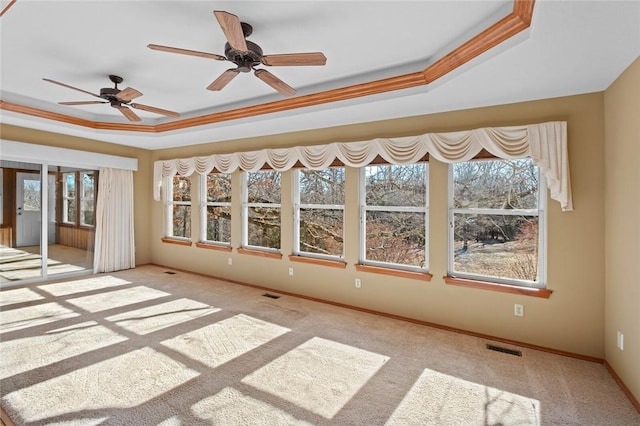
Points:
[(244, 60), (109, 93)]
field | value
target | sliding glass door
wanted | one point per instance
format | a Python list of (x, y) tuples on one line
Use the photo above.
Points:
[(46, 220), (74, 199)]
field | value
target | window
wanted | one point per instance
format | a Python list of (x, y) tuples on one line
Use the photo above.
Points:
[(261, 210), (216, 208), (394, 216), (178, 208), (69, 198), (79, 198), (319, 213), (496, 222), (87, 199)]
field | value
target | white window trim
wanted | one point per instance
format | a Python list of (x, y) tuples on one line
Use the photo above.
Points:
[(204, 203), (168, 232), (245, 216), (540, 212), (297, 206), (364, 208)]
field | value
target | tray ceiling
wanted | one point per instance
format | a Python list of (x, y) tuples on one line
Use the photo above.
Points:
[(569, 48)]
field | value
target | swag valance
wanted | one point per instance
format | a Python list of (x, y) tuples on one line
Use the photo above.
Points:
[(545, 143)]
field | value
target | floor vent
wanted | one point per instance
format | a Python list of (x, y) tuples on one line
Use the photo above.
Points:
[(271, 296), (169, 272), (504, 350)]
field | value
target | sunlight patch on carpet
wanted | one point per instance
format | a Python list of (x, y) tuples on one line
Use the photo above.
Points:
[(156, 317), (231, 407), (118, 383), (55, 345), (82, 285), (320, 375), (8, 254), (223, 341), (18, 295), (63, 268), (31, 316), (438, 398), (117, 298)]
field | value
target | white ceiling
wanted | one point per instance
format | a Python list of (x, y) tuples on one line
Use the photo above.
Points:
[(571, 47)]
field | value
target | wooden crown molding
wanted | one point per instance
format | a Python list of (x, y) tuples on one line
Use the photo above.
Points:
[(518, 20), (4, 9)]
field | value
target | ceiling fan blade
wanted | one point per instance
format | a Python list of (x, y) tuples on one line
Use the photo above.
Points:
[(224, 79), (295, 59), (83, 103), (128, 113), (71, 87), (232, 29), (186, 52), (155, 110), (275, 82), (128, 94)]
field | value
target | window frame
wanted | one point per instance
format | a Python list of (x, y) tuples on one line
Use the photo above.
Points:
[(245, 214), (540, 213), (78, 197), (170, 203), (364, 208), (205, 203), (297, 206), (82, 198), (66, 199)]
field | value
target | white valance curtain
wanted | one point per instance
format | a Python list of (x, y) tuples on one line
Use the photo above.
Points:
[(545, 143), (114, 240)]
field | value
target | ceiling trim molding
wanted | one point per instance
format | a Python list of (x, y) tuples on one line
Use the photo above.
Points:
[(518, 20), (4, 9), (364, 89)]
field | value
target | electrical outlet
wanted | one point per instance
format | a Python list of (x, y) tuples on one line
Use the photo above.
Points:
[(518, 310), (358, 283), (620, 341), (230, 261), (290, 272)]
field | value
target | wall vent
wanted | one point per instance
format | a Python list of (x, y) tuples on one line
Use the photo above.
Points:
[(169, 272), (271, 296), (504, 350)]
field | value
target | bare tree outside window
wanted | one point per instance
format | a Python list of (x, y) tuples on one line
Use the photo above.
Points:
[(31, 193), (180, 206), (79, 190), (217, 207), (262, 209), (395, 210), (320, 212), (495, 219), (69, 197), (87, 198)]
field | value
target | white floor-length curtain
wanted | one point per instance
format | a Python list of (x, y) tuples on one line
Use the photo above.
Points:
[(114, 241)]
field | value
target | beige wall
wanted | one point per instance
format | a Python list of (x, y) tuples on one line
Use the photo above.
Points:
[(142, 178), (571, 320), (622, 224)]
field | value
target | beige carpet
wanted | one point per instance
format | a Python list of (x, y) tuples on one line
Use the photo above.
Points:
[(142, 347)]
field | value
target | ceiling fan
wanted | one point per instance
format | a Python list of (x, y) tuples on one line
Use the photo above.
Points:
[(119, 99), (247, 55)]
